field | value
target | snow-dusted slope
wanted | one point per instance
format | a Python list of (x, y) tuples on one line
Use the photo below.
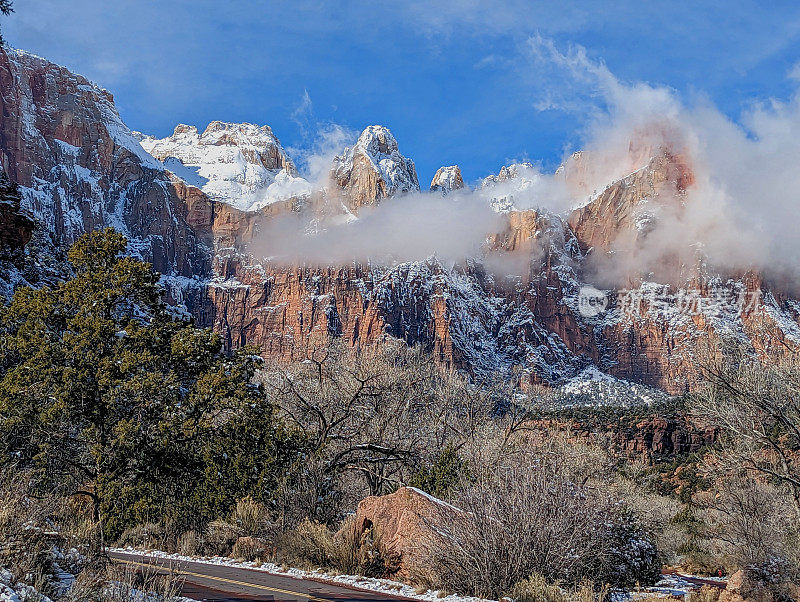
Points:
[(79, 167), (373, 169), (504, 189), (241, 164)]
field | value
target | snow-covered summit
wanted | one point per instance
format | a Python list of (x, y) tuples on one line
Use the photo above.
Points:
[(504, 188), (241, 164), (373, 168), (447, 179)]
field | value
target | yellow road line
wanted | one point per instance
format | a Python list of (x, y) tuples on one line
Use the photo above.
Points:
[(223, 580)]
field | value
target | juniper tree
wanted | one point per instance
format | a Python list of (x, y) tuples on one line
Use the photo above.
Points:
[(109, 396)]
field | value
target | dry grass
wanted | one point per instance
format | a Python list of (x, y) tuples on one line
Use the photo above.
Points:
[(26, 533), (707, 593), (313, 545), (537, 589)]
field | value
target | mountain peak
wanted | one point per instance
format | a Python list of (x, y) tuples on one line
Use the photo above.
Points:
[(447, 179), (377, 140), (509, 183), (242, 164), (373, 169)]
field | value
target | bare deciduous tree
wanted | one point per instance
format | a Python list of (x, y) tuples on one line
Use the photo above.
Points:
[(756, 405), (378, 414)]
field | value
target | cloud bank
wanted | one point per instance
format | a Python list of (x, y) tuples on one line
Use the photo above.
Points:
[(740, 213)]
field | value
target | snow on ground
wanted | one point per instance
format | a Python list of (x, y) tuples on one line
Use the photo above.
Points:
[(17, 592), (386, 586), (595, 388), (675, 586)]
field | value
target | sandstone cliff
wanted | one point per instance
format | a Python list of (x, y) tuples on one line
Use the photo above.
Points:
[(78, 166)]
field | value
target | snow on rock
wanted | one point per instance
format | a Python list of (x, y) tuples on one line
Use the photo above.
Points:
[(80, 168), (594, 388), (373, 169), (447, 179), (241, 164), (504, 188)]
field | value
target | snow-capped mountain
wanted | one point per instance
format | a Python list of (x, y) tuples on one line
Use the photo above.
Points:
[(446, 179), (508, 184), (373, 169), (241, 164), (192, 207)]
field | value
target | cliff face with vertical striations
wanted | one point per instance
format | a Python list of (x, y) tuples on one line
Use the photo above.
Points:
[(195, 204), (78, 167)]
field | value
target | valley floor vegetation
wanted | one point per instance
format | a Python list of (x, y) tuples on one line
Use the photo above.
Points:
[(121, 423)]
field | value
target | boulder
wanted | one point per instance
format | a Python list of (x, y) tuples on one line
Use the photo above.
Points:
[(742, 587), (399, 523)]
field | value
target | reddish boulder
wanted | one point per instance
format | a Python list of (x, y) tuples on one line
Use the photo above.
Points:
[(399, 523)]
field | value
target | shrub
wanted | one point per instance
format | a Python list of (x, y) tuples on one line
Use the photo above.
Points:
[(220, 538), (251, 518), (191, 543), (707, 593), (250, 548), (446, 472), (530, 518), (26, 539), (313, 544)]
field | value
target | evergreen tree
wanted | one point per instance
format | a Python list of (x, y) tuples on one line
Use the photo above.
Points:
[(6, 7), (109, 396)]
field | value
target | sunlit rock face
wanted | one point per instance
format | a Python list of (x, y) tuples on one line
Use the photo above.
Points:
[(241, 164), (373, 169), (447, 179)]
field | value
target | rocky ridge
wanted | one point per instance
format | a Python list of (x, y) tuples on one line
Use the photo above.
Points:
[(373, 169), (242, 164), (446, 179)]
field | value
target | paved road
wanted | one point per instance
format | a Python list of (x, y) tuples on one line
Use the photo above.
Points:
[(215, 583)]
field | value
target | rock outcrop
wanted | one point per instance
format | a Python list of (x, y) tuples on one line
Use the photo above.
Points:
[(447, 179), (507, 188), (16, 228), (401, 523), (373, 169), (628, 209), (743, 587)]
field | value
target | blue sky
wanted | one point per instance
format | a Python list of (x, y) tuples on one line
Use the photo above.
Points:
[(456, 82)]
